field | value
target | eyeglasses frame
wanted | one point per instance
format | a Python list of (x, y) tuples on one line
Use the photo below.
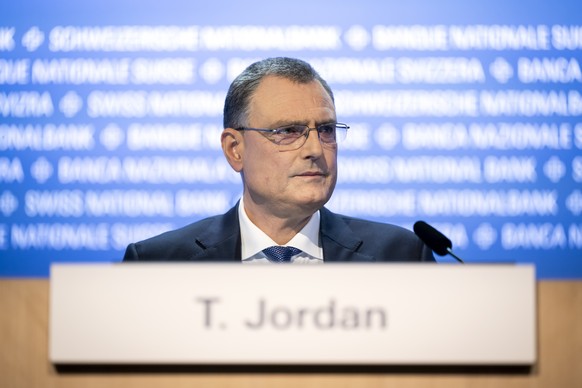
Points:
[(308, 130)]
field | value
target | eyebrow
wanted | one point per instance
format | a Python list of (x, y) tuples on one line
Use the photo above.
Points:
[(284, 123)]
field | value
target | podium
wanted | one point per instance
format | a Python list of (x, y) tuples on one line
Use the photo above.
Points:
[(342, 314), (24, 355)]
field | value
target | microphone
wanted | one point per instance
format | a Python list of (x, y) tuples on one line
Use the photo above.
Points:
[(435, 240)]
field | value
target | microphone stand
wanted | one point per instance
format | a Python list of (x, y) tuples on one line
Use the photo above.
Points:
[(450, 252)]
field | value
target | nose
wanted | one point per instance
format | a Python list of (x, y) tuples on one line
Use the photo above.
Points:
[(312, 147)]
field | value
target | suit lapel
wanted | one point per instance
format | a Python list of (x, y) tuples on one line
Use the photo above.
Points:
[(221, 240), (338, 240)]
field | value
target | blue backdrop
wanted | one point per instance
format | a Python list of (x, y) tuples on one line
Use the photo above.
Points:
[(465, 114)]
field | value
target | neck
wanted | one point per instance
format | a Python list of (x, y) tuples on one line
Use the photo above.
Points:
[(281, 228)]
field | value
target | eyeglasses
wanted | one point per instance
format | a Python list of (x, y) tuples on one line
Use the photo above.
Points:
[(292, 137)]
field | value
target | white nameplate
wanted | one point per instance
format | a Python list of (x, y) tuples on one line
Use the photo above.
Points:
[(417, 314)]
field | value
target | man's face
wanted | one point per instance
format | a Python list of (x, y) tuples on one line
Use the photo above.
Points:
[(291, 183)]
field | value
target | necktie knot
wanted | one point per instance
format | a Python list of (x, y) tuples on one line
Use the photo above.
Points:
[(279, 254)]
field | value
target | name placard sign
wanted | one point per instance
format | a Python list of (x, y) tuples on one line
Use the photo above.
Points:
[(415, 314)]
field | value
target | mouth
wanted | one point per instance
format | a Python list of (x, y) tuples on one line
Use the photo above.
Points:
[(312, 174)]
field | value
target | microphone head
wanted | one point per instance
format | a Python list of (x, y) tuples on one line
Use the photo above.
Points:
[(434, 239)]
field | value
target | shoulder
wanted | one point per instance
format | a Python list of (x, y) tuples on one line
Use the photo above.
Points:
[(182, 233), (185, 242), (364, 228), (380, 240)]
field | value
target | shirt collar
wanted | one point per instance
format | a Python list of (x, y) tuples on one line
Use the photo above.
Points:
[(254, 240)]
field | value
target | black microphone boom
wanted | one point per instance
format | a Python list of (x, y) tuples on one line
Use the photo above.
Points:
[(434, 239)]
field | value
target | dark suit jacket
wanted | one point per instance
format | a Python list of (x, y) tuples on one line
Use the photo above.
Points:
[(343, 239)]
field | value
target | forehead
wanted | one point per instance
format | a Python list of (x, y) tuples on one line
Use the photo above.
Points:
[(278, 98)]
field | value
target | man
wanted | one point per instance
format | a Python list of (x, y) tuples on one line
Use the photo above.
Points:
[(281, 133)]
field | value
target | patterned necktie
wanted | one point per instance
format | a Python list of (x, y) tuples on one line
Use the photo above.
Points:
[(279, 254)]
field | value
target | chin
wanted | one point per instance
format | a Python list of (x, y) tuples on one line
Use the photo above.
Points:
[(314, 203)]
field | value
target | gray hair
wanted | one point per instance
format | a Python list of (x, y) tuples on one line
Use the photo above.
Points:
[(236, 104)]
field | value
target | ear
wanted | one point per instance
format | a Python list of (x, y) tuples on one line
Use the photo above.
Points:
[(233, 147)]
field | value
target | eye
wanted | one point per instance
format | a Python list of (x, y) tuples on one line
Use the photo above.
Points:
[(291, 130), (326, 129)]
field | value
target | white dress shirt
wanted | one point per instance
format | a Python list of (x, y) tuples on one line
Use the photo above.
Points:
[(254, 240)]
